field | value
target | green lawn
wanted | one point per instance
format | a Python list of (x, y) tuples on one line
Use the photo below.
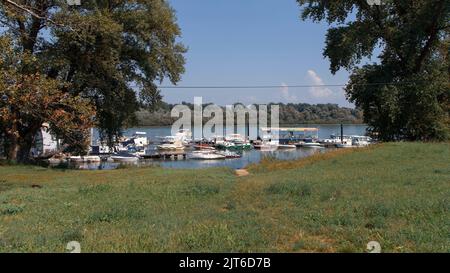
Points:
[(397, 194)]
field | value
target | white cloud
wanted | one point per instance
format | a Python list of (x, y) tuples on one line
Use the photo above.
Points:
[(318, 91), (285, 93)]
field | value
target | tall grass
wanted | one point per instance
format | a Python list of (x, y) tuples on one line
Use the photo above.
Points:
[(396, 194)]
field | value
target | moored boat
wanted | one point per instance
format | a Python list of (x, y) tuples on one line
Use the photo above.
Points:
[(84, 159), (286, 146), (171, 143), (204, 147), (122, 158), (361, 141), (230, 154), (206, 155)]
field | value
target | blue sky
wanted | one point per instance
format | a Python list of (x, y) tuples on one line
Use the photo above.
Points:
[(253, 42)]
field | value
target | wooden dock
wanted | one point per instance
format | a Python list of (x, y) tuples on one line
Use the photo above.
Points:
[(167, 155)]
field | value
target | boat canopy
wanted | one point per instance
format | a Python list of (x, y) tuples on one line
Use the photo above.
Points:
[(288, 135), (290, 129)]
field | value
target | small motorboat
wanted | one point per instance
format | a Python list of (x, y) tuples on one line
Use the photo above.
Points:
[(206, 155), (85, 159), (124, 158), (226, 145), (344, 145), (286, 146), (229, 154), (171, 143), (56, 160), (204, 147), (310, 143), (361, 141), (273, 145)]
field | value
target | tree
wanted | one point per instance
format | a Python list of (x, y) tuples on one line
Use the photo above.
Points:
[(406, 94), (110, 52), (29, 100)]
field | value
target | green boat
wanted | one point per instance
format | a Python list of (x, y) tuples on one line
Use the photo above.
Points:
[(234, 146)]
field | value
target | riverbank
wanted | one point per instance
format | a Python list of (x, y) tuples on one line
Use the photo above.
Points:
[(396, 194)]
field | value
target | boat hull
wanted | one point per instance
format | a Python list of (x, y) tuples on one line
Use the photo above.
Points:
[(124, 159)]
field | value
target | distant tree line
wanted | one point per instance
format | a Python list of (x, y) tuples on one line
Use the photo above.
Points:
[(291, 113)]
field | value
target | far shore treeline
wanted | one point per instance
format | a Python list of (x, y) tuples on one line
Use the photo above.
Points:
[(291, 113)]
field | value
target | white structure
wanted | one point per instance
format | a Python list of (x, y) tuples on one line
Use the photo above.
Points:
[(140, 139), (45, 143)]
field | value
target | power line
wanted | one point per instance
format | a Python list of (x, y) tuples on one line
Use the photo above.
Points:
[(277, 86)]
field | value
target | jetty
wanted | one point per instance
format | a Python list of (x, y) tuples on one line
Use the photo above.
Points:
[(167, 155)]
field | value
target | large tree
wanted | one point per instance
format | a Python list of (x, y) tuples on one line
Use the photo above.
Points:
[(110, 52), (30, 99), (406, 93)]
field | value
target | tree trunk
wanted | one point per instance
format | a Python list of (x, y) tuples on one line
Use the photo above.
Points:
[(11, 147), (17, 148), (23, 152)]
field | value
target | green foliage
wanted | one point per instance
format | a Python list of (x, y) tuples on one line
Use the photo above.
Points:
[(406, 95), (34, 99)]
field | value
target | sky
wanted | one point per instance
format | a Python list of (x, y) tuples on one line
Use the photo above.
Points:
[(253, 42)]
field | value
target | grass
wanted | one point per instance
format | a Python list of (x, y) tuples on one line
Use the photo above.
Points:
[(397, 194)]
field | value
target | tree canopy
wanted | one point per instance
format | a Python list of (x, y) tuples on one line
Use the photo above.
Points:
[(110, 53), (406, 93)]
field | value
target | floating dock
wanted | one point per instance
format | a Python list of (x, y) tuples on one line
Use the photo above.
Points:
[(165, 155)]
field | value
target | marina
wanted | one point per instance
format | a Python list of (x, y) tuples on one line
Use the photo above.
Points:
[(152, 147)]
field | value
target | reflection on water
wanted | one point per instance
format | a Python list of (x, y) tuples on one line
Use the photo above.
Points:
[(248, 157)]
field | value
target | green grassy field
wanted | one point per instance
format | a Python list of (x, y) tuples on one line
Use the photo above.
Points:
[(397, 194)]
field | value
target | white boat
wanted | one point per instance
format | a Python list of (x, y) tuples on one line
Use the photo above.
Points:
[(345, 144), (218, 140), (235, 138), (286, 146), (267, 147), (185, 136), (170, 146), (229, 154), (272, 145), (100, 149), (140, 139), (206, 155), (124, 158), (311, 145), (171, 143), (56, 160), (338, 141), (84, 159), (361, 141)]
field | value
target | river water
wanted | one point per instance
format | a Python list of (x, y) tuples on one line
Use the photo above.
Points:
[(248, 157)]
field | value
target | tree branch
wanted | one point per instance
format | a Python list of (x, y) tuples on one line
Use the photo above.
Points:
[(434, 31), (32, 13)]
